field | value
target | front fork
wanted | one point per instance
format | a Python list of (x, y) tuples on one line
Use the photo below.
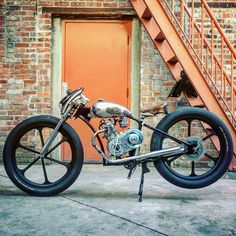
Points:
[(53, 135)]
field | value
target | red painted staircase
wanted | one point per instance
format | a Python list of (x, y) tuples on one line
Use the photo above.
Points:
[(193, 45)]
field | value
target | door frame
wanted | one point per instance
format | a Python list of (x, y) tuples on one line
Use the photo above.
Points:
[(58, 89)]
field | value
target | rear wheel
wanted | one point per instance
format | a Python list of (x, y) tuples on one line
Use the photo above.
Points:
[(211, 157), (42, 176)]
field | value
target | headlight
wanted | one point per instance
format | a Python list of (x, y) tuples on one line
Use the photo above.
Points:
[(72, 98)]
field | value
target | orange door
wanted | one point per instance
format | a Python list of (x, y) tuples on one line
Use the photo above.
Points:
[(96, 56)]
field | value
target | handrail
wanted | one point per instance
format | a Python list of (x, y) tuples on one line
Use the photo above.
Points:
[(219, 28), (220, 72), (210, 48)]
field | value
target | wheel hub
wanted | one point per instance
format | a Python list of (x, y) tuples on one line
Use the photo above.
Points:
[(198, 148)]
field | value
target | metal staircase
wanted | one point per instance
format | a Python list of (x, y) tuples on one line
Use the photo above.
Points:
[(193, 46)]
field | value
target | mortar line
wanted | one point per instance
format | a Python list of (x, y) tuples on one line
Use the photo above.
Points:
[(120, 217)]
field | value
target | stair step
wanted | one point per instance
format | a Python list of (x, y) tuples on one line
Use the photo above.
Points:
[(146, 13), (142, 9), (166, 52), (173, 59), (200, 106), (160, 37), (196, 102), (154, 30)]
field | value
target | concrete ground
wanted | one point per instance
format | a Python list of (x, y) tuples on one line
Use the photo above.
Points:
[(104, 202)]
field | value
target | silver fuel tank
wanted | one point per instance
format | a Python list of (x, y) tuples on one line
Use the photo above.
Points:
[(108, 110)]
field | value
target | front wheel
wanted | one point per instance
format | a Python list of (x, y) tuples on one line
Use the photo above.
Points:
[(210, 159), (42, 176)]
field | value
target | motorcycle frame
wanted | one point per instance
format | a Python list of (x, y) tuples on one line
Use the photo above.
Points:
[(73, 106), (185, 147)]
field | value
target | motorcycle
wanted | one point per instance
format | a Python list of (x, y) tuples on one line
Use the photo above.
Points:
[(188, 135)]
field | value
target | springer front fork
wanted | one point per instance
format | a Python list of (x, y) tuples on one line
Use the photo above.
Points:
[(53, 135)]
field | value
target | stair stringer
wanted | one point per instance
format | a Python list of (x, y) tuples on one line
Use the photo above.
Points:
[(170, 45)]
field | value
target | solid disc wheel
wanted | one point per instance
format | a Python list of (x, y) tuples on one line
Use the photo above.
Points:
[(42, 176), (209, 159)]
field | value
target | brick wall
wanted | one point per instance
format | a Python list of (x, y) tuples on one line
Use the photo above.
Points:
[(156, 80), (26, 52), (25, 57), (25, 63)]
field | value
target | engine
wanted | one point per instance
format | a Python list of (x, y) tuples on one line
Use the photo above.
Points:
[(119, 144)]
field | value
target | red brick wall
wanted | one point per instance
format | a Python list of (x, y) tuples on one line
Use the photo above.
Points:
[(25, 57), (26, 52), (25, 62)]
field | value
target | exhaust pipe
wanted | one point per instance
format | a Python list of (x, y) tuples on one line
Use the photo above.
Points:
[(151, 155)]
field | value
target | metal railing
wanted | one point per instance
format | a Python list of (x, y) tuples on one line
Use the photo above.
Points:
[(208, 45)]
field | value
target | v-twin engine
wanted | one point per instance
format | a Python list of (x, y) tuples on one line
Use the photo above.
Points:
[(120, 144)]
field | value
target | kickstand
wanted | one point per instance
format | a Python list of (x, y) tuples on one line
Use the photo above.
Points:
[(145, 170)]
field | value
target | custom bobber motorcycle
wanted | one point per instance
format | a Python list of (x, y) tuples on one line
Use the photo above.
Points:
[(188, 135)]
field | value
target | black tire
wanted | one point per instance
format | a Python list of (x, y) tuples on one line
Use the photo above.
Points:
[(21, 155), (215, 160)]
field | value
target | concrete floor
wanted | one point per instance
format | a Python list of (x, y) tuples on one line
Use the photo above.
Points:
[(103, 202)]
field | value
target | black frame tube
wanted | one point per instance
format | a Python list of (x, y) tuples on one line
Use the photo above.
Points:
[(141, 123)]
